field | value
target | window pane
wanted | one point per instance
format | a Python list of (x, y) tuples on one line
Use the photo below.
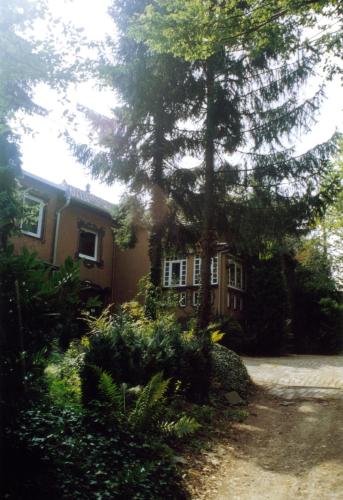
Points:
[(197, 270), (31, 224), (182, 299), (87, 243), (214, 270), (232, 278), (176, 272), (239, 276)]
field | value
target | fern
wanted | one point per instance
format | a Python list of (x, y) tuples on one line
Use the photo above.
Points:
[(147, 413), (184, 426), (111, 392), (149, 403)]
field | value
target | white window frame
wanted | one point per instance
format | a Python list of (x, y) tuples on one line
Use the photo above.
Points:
[(237, 265), (94, 257), (183, 299), (197, 270), (41, 203), (167, 274), (196, 298)]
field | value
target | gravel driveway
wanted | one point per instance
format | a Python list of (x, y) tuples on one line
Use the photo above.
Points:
[(291, 445), (293, 377)]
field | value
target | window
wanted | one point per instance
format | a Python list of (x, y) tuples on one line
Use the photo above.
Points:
[(175, 271), (235, 270), (33, 225), (196, 299), (197, 270), (234, 302), (88, 244), (183, 299)]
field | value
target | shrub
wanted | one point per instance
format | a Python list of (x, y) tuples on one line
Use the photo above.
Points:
[(229, 371), (133, 350), (318, 309), (266, 306), (63, 375), (234, 337)]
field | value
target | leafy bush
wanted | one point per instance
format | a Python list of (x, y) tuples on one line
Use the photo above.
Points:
[(63, 374), (41, 302), (133, 350), (72, 455), (318, 309), (229, 371), (266, 306), (234, 337)]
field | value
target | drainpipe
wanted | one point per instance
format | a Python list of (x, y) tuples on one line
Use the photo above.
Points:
[(58, 219)]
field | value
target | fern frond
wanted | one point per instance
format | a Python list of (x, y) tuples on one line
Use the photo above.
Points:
[(184, 426), (111, 392), (149, 403)]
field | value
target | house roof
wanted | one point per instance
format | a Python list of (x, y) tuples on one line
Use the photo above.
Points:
[(87, 198), (79, 195)]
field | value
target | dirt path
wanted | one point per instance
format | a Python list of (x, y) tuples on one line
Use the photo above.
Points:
[(290, 447)]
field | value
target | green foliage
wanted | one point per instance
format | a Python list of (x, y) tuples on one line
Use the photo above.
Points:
[(237, 414), (266, 306), (68, 454), (146, 412), (44, 301), (197, 29), (127, 216), (63, 375), (181, 428), (150, 403), (318, 309), (134, 349), (247, 101), (234, 336), (11, 205), (229, 372)]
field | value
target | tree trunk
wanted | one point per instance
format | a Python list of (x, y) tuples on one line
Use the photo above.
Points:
[(157, 208), (208, 235)]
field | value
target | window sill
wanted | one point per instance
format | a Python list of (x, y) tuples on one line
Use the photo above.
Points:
[(87, 257), (236, 288), (32, 235)]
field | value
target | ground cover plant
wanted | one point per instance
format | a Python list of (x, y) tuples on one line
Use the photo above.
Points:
[(113, 410)]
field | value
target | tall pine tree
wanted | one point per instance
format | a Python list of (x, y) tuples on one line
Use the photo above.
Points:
[(141, 145), (252, 70)]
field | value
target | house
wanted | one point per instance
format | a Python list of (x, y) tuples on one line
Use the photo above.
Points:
[(181, 274), (67, 221)]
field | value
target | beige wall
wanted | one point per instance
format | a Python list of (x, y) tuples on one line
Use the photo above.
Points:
[(130, 266), (72, 218), (53, 200), (68, 239)]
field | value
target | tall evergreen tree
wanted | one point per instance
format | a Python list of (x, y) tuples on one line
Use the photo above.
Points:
[(251, 73), (141, 145)]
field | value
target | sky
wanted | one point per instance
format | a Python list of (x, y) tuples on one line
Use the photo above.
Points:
[(45, 152)]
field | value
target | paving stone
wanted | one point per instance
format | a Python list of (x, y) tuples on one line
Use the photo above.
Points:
[(299, 377)]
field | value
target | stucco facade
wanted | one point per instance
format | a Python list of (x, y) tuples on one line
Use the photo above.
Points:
[(64, 216), (72, 222)]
